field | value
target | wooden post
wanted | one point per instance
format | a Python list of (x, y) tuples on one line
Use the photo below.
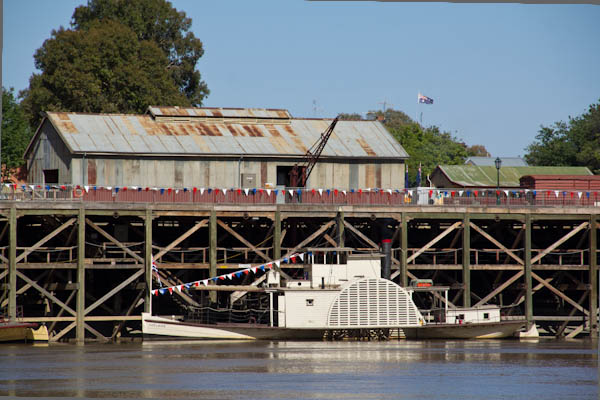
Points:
[(12, 263), (80, 305), (528, 286), (213, 250), (148, 259), (466, 261), (340, 229), (277, 235), (593, 236), (404, 251)]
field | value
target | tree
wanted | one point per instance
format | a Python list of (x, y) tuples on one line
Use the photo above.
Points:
[(477, 150), (102, 69), (15, 134), (572, 143), (156, 21)]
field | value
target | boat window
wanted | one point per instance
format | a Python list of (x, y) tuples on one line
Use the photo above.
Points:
[(310, 302), (486, 315), (461, 316)]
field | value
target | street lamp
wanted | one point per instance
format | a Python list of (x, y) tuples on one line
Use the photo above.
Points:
[(498, 163)]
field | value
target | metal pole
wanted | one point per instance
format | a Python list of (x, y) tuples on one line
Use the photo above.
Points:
[(80, 306), (593, 237), (466, 261), (528, 285), (148, 259)]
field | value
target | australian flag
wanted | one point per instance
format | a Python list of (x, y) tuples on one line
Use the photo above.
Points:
[(424, 99)]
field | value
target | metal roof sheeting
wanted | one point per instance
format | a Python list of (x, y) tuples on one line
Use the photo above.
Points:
[(490, 161), (261, 135), (474, 176)]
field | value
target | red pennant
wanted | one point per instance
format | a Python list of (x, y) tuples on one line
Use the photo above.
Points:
[(147, 189), (335, 192), (216, 191), (169, 190), (124, 187), (572, 194), (246, 271), (222, 277), (63, 187), (313, 191), (452, 193), (430, 193), (497, 193), (260, 191), (195, 189), (239, 191), (475, 193), (359, 190), (171, 290), (197, 283)]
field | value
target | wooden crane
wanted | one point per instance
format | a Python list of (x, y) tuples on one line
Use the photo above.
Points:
[(301, 171)]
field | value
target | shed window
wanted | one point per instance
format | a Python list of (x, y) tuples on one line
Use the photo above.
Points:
[(310, 302), (50, 176), (486, 315)]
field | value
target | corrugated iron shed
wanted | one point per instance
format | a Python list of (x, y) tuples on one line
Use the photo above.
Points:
[(474, 176), (565, 182), (166, 131), (490, 161)]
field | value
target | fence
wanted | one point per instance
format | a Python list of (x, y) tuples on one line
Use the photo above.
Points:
[(392, 197)]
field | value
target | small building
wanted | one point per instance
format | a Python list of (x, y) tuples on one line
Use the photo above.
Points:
[(561, 182), (490, 161), (471, 176), (209, 147)]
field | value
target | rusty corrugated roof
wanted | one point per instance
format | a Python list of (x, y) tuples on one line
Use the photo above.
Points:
[(246, 132)]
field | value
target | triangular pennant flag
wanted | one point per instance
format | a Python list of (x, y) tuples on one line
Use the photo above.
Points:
[(460, 193), (410, 193), (201, 191), (254, 270), (320, 192), (170, 290), (291, 192), (278, 263), (246, 191), (506, 193), (343, 191), (162, 291), (268, 192), (301, 255), (579, 194), (246, 271), (87, 188), (224, 191), (556, 192)]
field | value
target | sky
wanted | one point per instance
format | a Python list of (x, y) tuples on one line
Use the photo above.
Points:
[(496, 72)]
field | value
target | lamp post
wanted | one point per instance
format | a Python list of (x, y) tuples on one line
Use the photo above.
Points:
[(498, 163)]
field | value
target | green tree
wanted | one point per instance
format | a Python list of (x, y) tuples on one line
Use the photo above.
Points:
[(159, 22), (102, 69), (15, 133), (572, 143)]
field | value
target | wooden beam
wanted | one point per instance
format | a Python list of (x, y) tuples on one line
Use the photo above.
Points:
[(575, 331), (244, 241), (12, 263), (403, 271), (46, 238), (329, 240), (119, 326), (340, 230), (235, 296), (114, 241), (80, 305), (559, 293), (212, 240), (66, 330), (554, 245), (499, 289), (46, 293), (62, 310), (434, 241), (466, 261), (593, 275), (560, 330), (497, 243), (277, 235), (528, 272), (358, 233), (181, 238), (311, 237), (148, 260), (114, 291), (96, 333)]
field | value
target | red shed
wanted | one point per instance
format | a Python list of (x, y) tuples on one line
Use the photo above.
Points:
[(561, 182)]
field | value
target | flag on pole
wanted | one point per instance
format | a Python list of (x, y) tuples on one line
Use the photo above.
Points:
[(419, 176), (424, 99), (406, 176)]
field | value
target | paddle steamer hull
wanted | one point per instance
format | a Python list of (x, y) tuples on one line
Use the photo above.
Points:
[(486, 330)]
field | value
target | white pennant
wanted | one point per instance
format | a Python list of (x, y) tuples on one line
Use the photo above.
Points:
[(254, 270), (460, 192), (410, 193), (205, 282), (176, 191), (389, 191), (343, 191), (556, 193), (579, 194), (278, 263), (109, 187), (246, 191), (301, 255), (201, 191), (506, 193), (291, 192), (321, 192), (268, 192), (224, 191), (87, 188), (32, 187), (133, 187)]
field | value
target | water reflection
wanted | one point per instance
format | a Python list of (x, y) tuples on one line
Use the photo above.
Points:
[(256, 370)]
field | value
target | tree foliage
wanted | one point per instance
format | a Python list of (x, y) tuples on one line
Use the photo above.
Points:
[(572, 143), (120, 56), (426, 147), (159, 22), (15, 133)]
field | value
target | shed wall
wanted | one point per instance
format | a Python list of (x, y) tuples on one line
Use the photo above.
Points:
[(49, 152), (225, 173)]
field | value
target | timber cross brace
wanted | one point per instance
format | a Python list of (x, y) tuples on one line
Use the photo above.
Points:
[(532, 262)]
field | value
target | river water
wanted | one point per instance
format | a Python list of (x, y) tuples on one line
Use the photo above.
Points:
[(304, 370)]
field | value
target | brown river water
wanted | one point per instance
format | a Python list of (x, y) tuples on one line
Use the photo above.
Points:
[(303, 370)]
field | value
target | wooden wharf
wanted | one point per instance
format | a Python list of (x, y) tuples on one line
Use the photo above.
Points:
[(84, 268)]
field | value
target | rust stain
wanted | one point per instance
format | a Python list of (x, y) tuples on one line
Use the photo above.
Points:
[(247, 129), (217, 113), (365, 146), (273, 131), (232, 129), (299, 145), (130, 128), (280, 145), (289, 130), (91, 172), (67, 127), (63, 116), (215, 130)]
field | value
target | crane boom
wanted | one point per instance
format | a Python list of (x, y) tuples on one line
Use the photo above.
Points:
[(301, 171)]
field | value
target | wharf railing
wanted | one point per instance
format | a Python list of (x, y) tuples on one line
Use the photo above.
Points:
[(372, 196)]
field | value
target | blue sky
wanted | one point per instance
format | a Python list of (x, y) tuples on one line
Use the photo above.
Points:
[(496, 71)]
